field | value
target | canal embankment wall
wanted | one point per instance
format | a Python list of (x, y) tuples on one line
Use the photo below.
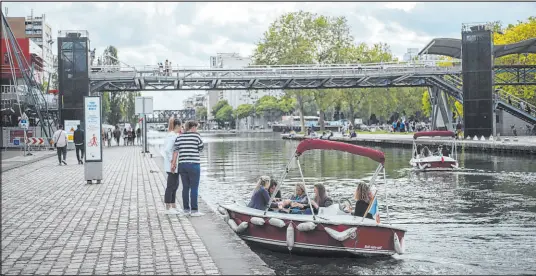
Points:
[(513, 145)]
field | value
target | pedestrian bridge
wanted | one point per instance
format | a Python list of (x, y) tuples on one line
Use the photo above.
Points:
[(441, 76), (147, 78)]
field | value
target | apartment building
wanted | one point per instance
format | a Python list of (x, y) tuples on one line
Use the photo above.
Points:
[(40, 32), (193, 102)]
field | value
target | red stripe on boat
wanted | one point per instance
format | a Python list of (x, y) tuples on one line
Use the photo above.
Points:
[(311, 144)]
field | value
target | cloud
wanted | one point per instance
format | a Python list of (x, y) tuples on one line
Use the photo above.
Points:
[(188, 33)]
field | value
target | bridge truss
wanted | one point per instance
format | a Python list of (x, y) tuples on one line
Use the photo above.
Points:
[(441, 80)]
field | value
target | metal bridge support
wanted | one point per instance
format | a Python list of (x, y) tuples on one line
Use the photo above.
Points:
[(441, 115)]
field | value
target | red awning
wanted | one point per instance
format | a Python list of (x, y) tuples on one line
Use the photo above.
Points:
[(440, 133), (53, 91), (311, 144)]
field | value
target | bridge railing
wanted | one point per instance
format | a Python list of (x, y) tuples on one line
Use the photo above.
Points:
[(271, 72)]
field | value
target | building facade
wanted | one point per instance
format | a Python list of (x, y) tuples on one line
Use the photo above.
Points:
[(40, 32), (234, 97)]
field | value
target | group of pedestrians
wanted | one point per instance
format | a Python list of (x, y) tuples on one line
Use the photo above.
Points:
[(61, 140), (182, 148), (165, 69)]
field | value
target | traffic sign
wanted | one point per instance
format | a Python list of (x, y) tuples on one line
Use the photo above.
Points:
[(24, 124), (16, 142)]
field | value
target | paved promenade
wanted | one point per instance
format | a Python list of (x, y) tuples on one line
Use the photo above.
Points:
[(55, 223)]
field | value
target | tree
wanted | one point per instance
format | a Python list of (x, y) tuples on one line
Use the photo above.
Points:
[(110, 56), (523, 30), (115, 115), (105, 106), (201, 113), (222, 112), (290, 39), (244, 111)]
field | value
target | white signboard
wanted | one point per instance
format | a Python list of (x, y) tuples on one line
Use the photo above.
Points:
[(70, 127), (92, 108), (143, 105)]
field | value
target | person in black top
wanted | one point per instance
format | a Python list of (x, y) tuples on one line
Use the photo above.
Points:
[(78, 139), (362, 196)]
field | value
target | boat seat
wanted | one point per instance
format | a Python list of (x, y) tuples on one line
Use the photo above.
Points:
[(332, 210)]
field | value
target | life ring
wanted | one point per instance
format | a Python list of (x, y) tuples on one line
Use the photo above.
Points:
[(341, 236)]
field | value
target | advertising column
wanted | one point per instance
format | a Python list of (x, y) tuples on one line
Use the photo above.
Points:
[(93, 139)]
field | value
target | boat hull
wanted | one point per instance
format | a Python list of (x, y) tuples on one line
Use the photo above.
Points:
[(434, 163), (364, 239)]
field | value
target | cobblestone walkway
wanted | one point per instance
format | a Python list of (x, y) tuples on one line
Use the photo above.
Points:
[(55, 223)]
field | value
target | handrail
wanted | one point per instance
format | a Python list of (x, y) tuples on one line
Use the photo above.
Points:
[(514, 100)]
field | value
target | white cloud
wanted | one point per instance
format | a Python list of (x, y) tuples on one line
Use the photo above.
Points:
[(404, 6), (189, 33)]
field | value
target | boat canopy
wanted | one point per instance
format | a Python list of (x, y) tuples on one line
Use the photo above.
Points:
[(311, 144), (441, 133)]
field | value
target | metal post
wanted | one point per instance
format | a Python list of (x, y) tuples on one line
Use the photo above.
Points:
[(145, 132)]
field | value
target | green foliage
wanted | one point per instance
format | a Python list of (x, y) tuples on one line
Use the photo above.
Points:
[(105, 106), (222, 113), (523, 30), (201, 113), (244, 111), (114, 117)]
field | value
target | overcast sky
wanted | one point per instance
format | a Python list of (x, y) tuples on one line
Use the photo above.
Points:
[(189, 33)]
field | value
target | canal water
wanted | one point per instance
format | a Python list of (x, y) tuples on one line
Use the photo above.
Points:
[(481, 220)]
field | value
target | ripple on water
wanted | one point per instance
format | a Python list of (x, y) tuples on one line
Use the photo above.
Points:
[(479, 220)]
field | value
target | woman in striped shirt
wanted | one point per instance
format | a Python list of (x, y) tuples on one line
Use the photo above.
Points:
[(188, 147)]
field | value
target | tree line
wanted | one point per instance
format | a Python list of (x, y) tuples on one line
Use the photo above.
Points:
[(309, 38)]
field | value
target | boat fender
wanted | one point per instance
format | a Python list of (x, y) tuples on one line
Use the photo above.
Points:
[(306, 226), (341, 236), (399, 248), (222, 211), (237, 228), (257, 221), (277, 222), (225, 217), (290, 236)]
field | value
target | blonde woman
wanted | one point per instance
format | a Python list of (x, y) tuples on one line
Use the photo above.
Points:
[(299, 199), (362, 196), (172, 171), (260, 197)]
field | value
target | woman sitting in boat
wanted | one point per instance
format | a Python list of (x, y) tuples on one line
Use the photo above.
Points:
[(425, 152), (297, 203), (271, 190), (260, 197), (321, 199), (362, 195)]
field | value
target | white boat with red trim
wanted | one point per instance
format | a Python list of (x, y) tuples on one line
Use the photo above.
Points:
[(444, 158), (327, 232)]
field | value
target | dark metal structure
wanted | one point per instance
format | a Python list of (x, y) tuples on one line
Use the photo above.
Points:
[(73, 73)]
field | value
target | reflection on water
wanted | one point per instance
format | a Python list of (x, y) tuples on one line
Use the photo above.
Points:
[(476, 221)]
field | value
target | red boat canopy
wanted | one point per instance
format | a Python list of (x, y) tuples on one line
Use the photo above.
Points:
[(311, 144), (441, 133)]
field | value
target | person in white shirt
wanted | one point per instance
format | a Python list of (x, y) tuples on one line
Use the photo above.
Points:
[(60, 142)]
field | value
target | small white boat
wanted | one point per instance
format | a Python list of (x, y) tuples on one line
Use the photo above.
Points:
[(443, 159)]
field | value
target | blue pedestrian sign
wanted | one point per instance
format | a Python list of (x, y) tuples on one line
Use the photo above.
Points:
[(24, 124), (16, 142)]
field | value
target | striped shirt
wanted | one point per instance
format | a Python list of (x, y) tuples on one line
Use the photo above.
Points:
[(189, 145)]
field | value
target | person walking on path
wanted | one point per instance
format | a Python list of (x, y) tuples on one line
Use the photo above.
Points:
[(187, 149), (78, 138), (171, 170), (117, 135), (138, 135), (60, 142)]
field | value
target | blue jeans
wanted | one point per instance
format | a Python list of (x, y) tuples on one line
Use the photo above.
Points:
[(190, 173)]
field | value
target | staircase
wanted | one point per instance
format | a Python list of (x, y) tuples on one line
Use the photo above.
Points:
[(31, 88)]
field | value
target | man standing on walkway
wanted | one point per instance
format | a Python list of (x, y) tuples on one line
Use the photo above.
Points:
[(78, 138), (187, 150), (60, 142)]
